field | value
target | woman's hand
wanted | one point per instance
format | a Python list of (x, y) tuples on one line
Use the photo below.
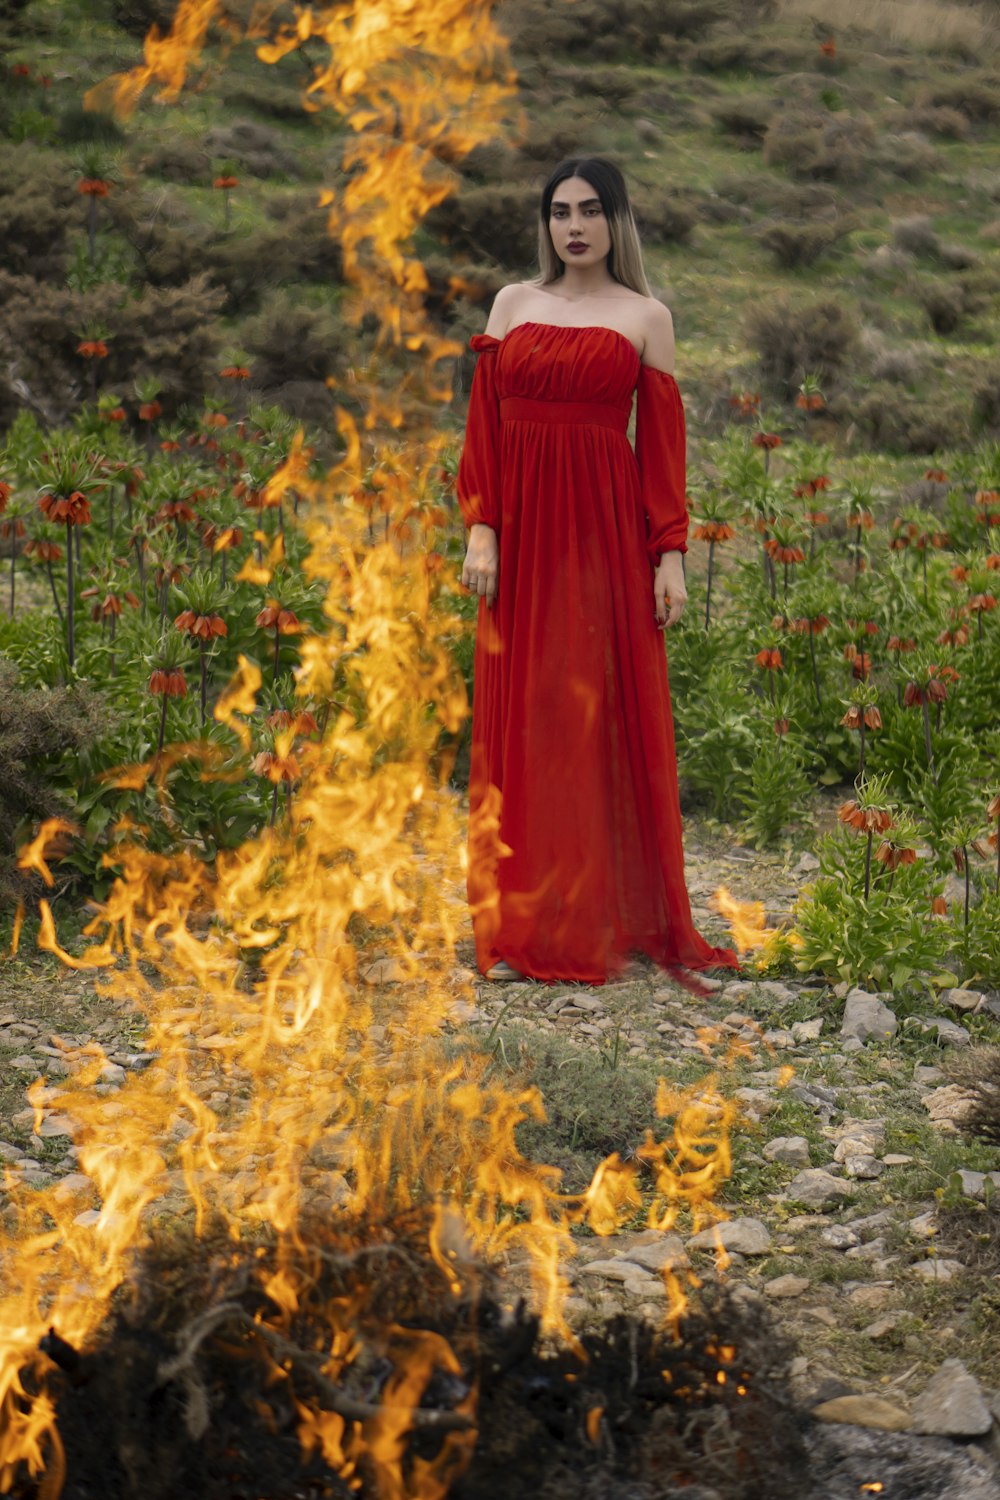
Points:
[(481, 568), (669, 590)]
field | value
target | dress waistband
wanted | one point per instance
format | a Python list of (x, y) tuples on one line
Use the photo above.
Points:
[(599, 413)]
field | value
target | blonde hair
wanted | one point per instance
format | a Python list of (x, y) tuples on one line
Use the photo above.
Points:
[(625, 255)]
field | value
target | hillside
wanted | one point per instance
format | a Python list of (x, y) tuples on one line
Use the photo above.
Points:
[(817, 184)]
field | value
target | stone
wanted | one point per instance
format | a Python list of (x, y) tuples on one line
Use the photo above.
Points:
[(864, 1411), (865, 1168), (882, 1326), (25, 1063), (789, 1150), (736, 1236), (807, 1031), (950, 1034), (873, 1250), (924, 1225), (839, 1237), (756, 1102), (871, 1132), (616, 1270), (54, 1125), (787, 1286), (948, 1106), (938, 1270), (853, 1044), (896, 1159), (925, 1075), (867, 1018), (952, 1405), (666, 1250), (868, 1295), (9, 1153), (817, 1189), (960, 999)]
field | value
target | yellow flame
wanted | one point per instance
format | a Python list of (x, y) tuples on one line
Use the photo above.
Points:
[(747, 920)]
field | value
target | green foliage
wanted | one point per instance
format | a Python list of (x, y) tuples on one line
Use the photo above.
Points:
[(882, 942), (778, 793)]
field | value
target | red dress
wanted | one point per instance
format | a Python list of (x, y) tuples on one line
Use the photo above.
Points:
[(575, 852)]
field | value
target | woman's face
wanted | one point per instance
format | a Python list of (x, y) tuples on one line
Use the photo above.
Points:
[(579, 229)]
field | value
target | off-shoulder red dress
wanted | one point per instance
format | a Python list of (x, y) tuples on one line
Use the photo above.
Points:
[(575, 851)]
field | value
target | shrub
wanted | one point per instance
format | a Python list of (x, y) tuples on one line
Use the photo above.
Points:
[(137, 16), (290, 342), (986, 399), (978, 1072), (39, 209), (909, 156), (606, 29), (916, 236), (976, 96), (893, 420), (944, 304), (255, 148), (178, 160), (79, 126), (796, 245), (811, 143), (736, 52), (663, 218), (898, 365), (818, 338), (746, 119), (958, 257), (941, 120), (38, 728), (493, 222)]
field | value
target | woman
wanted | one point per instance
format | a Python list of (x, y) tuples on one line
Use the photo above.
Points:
[(575, 543)]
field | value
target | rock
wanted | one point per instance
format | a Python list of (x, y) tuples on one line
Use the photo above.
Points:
[(9, 1153), (839, 1237), (807, 863), (807, 1031), (787, 1286), (973, 1184), (868, 1295), (870, 1133), (896, 1159), (817, 1189), (54, 1125), (938, 1270), (25, 1063), (865, 1168), (948, 1106), (962, 999), (949, 1033), (882, 1326), (925, 1075), (864, 1411), (665, 1250), (853, 1044), (924, 1224), (867, 1019), (873, 1250), (789, 1150), (779, 1037), (756, 1102), (952, 1405), (736, 1236)]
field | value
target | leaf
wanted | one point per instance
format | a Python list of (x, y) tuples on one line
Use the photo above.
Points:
[(945, 980), (830, 777), (900, 975)]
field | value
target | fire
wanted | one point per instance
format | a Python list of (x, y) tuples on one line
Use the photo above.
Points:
[(282, 1080), (747, 920)]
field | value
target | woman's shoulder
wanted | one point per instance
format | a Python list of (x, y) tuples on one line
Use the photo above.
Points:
[(506, 305), (657, 335)]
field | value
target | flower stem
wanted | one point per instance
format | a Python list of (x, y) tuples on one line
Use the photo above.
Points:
[(812, 657), (708, 585), (925, 710), (965, 861), (861, 727), (70, 638), (55, 593), (274, 804), (868, 862), (277, 647), (163, 726), (13, 554), (204, 681)]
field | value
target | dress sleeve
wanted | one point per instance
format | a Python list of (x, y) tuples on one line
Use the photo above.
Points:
[(660, 450), (478, 485)]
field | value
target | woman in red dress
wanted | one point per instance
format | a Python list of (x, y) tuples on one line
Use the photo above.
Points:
[(575, 542)]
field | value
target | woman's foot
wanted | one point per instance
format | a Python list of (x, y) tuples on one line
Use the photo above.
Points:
[(502, 973)]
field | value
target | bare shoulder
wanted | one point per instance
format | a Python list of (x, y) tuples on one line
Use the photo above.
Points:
[(658, 336), (506, 305)]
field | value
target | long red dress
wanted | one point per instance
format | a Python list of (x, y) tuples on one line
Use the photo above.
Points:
[(575, 851)]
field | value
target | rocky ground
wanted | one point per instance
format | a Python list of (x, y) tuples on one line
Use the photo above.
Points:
[(857, 1209)]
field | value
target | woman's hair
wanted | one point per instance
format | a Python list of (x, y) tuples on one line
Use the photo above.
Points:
[(625, 257)]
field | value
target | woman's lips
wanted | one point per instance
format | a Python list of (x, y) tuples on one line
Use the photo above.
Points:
[(576, 248)]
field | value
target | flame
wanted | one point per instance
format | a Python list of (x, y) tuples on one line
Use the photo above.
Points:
[(747, 920), (875, 1488), (296, 992)]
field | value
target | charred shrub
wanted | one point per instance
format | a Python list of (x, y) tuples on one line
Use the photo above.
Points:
[(493, 222), (290, 342), (790, 342), (39, 210), (137, 16)]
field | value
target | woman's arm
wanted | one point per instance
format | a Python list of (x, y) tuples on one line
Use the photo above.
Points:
[(660, 449)]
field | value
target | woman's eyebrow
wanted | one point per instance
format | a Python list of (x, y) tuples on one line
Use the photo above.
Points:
[(584, 203)]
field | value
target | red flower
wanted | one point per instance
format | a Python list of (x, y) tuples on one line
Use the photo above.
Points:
[(4, 496), (746, 402), (275, 767), (45, 551), (149, 411), (896, 643), (93, 349), (93, 187), (73, 509), (273, 616), (769, 660), (235, 372), (226, 182), (202, 627), (766, 440), (177, 511), (781, 727), (980, 602), (852, 718), (893, 855), (828, 48), (865, 819), (713, 531), (169, 684), (783, 554), (115, 414), (937, 476), (812, 402)]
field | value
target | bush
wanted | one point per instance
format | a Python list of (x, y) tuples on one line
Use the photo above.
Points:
[(797, 245), (944, 304), (39, 210), (664, 219), (736, 52), (811, 143), (916, 236), (137, 16), (950, 123), (790, 342), (746, 119), (178, 160), (81, 127), (38, 728), (255, 148), (605, 29), (976, 96), (493, 222), (290, 342), (986, 399), (909, 156), (893, 420)]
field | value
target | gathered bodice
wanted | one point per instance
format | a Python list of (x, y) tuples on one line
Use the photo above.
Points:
[(541, 362)]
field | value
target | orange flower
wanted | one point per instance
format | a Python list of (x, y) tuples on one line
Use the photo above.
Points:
[(114, 414), (980, 602), (93, 187), (862, 518), (993, 807), (805, 626), (812, 402), (865, 819), (73, 509), (93, 349), (957, 636), (939, 906), (228, 537), (828, 48), (937, 476), (169, 684), (993, 562), (852, 718), (769, 660), (766, 440), (45, 551), (817, 518), (4, 495), (783, 554), (149, 411), (713, 531), (201, 627), (893, 855), (226, 182), (235, 372), (746, 402), (177, 511), (897, 643), (275, 767), (781, 727), (272, 617), (987, 497)]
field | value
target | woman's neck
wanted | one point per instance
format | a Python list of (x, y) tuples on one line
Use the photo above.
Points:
[(584, 281)]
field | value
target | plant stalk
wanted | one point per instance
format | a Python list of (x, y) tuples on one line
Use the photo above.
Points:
[(868, 862), (70, 612), (708, 585)]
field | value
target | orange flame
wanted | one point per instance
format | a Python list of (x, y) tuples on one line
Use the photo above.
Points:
[(747, 920)]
